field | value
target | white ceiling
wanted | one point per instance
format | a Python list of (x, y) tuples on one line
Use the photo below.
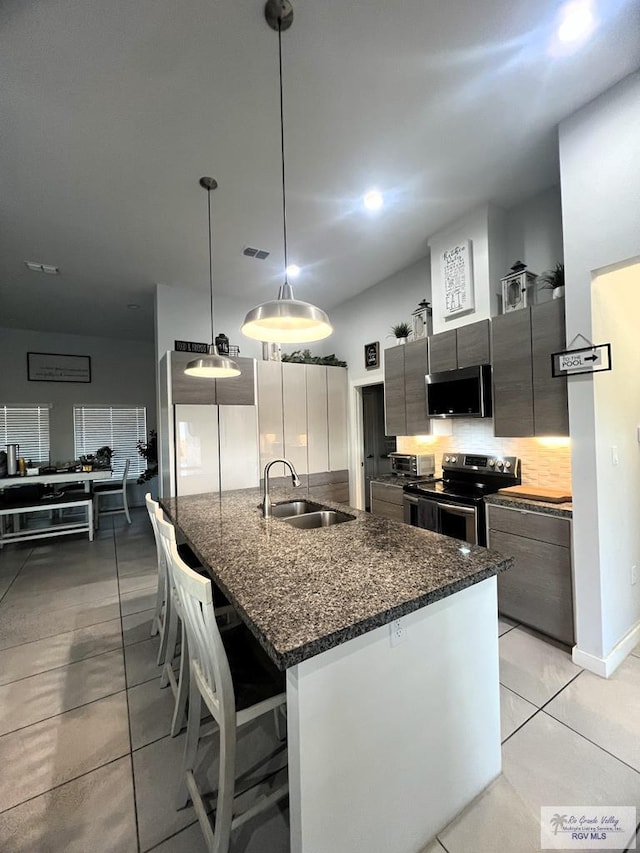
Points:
[(111, 112)]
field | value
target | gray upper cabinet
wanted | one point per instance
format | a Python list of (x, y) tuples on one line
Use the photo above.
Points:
[(395, 412), (550, 405), (405, 403), (238, 390), (466, 346), (443, 353), (235, 391), (474, 344), (527, 400), (416, 366), (512, 378)]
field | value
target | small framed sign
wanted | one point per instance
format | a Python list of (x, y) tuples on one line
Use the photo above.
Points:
[(593, 359), (56, 367), (191, 346), (372, 355)]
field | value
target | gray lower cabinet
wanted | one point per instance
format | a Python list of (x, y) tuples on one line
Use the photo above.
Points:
[(538, 589), (527, 400), (405, 401), (387, 500), (465, 346)]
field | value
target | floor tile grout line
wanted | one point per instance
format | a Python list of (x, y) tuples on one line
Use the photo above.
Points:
[(21, 567), (519, 695), (126, 681), (521, 726), (61, 713), (62, 665), (593, 742), (66, 782), (58, 633), (169, 837)]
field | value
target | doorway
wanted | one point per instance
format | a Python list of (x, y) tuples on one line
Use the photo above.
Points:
[(376, 445)]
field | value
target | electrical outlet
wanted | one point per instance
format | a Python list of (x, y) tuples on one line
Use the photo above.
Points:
[(614, 455), (397, 632), (634, 574)]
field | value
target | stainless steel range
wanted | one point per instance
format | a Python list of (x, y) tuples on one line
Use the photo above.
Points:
[(454, 505)]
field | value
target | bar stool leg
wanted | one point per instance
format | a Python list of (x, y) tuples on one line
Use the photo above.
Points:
[(191, 742), (167, 649), (183, 687)]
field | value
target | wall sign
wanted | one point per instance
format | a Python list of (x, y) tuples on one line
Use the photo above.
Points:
[(55, 367), (592, 359), (457, 274), (190, 346), (372, 355)]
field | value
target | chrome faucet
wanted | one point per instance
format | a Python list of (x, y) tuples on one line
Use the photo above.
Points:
[(266, 500)]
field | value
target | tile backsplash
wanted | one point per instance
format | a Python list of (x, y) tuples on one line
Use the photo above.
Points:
[(545, 461)]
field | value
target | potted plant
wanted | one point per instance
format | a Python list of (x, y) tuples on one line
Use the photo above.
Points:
[(149, 453), (553, 280), (401, 331)]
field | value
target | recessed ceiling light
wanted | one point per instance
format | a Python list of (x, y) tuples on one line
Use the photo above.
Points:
[(576, 21), (293, 270), (46, 268), (373, 200), (132, 306)]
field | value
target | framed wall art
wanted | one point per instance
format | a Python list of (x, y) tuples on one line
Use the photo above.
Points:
[(372, 355), (56, 367), (457, 276)]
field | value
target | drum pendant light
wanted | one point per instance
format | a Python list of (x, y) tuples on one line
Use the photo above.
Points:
[(285, 319), (213, 365)]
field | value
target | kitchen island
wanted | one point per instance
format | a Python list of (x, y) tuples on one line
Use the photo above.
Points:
[(393, 726)]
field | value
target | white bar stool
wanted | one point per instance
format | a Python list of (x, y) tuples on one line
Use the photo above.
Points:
[(211, 681), (111, 488)]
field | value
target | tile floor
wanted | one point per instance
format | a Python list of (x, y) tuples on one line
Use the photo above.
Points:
[(87, 760)]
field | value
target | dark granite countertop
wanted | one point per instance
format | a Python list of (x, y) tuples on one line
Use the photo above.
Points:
[(302, 592), (564, 510)]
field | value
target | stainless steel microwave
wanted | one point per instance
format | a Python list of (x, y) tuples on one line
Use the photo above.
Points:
[(412, 465), (463, 393)]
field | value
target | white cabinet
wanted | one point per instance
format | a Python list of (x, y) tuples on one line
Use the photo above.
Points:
[(302, 415), (239, 462), (337, 418), (196, 449)]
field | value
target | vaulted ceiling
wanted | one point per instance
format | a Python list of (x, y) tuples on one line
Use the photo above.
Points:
[(111, 112)]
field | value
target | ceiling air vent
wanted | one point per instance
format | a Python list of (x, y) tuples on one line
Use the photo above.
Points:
[(258, 254), (46, 268)]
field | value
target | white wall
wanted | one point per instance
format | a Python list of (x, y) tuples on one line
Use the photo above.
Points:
[(184, 314), (122, 372), (616, 308), (485, 227), (600, 180), (534, 232), (369, 316)]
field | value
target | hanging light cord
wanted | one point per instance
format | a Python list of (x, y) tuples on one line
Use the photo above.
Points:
[(284, 194), (210, 262)]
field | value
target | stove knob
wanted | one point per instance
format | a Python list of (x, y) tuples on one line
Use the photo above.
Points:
[(446, 459), (499, 463), (492, 463), (507, 465), (454, 458)]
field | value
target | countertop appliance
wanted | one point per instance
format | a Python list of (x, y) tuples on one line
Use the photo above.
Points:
[(412, 465), (462, 393), (454, 505)]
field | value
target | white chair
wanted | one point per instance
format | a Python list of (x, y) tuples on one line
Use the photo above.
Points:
[(119, 487), (211, 681), (167, 621)]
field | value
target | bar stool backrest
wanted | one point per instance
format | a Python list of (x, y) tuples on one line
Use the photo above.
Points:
[(153, 508), (208, 659)]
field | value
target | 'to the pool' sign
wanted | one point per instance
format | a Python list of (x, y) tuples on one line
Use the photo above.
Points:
[(593, 359)]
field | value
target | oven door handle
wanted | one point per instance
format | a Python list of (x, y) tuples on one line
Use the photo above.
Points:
[(457, 510)]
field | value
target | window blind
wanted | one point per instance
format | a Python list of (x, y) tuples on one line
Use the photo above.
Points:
[(117, 427), (27, 426)]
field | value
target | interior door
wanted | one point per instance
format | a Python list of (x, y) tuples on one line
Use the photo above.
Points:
[(377, 445)]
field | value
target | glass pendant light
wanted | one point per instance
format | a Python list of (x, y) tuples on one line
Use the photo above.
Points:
[(213, 365), (285, 319)]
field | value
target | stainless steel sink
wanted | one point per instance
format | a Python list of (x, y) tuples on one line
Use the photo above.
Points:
[(295, 508), (323, 518)]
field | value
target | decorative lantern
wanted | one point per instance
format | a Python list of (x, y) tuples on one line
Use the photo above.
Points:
[(422, 321), (518, 288)]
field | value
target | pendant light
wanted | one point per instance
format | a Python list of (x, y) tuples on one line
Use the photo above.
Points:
[(213, 365), (285, 319)]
